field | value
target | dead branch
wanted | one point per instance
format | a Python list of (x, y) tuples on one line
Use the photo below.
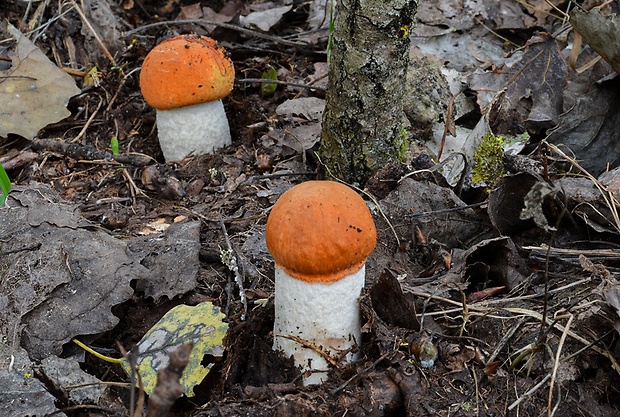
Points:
[(168, 388), (88, 152)]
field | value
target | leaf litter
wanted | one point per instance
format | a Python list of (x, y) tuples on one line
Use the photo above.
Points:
[(479, 297)]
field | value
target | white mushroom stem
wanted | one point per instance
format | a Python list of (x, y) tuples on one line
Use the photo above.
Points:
[(192, 130), (325, 315)]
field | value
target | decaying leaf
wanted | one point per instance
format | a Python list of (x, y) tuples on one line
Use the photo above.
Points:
[(65, 375), (311, 108), (534, 201), (33, 92), (320, 13), (391, 304), (171, 256), (418, 200), (27, 395), (296, 139), (490, 263), (202, 325), (590, 128), (58, 277), (609, 288), (105, 24), (506, 202), (601, 32), (527, 95), (586, 201)]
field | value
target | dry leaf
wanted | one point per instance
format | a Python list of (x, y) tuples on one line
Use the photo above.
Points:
[(527, 95), (601, 32), (59, 276), (171, 256), (27, 396), (265, 19), (590, 128), (33, 92), (309, 107)]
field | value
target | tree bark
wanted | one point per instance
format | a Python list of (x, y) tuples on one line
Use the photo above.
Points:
[(363, 115)]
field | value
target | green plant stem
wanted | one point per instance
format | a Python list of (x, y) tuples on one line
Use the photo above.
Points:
[(97, 354)]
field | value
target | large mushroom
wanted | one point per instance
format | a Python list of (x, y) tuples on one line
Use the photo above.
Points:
[(185, 78), (319, 234)]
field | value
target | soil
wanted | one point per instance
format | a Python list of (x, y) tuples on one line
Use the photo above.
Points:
[(493, 359)]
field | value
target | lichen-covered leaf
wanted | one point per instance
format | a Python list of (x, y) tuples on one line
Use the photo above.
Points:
[(33, 92), (201, 325)]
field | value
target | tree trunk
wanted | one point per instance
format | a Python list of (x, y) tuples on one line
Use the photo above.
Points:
[(363, 116)]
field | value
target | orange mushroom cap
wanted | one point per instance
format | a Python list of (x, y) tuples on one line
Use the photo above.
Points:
[(320, 231), (186, 70)]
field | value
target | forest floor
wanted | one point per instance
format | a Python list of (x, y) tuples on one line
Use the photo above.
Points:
[(522, 313)]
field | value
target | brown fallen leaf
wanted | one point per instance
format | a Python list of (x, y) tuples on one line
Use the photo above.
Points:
[(33, 92)]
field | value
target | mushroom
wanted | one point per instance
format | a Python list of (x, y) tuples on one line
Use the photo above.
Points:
[(319, 234), (185, 78)]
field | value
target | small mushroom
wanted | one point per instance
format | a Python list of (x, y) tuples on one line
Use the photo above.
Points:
[(319, 234), (185, 78)]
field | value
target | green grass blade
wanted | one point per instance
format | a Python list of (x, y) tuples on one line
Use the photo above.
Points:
[(114, 145), (5, 185)]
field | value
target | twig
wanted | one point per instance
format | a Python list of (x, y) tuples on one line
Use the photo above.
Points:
[(513, 329), (266, 81), (230, 260), (610, 200), (485, 304), (89, 153), (480, 309), (528, 393), (603, 253), (106, 410), (447, 123), (444, 211), (122, 83), (307, 344), (253, 178), (133, 188), (556, 364), (94, 32), (88, 122), (212, 23), (168, 388), (574, 335)]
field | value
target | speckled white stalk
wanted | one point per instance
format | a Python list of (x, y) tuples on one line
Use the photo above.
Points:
[(326, 315), (196, 130)]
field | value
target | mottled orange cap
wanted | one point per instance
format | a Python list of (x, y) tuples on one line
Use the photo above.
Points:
[(320, 231), (186, 70)]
